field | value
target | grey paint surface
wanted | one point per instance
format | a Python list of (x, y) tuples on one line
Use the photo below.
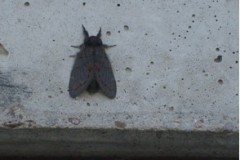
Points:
[(165, 63)]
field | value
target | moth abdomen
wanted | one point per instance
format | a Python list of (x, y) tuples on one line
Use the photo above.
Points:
[(93, 87)]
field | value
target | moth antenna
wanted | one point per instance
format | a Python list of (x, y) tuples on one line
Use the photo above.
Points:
[(99, 33), (108, 46), (85, 32)]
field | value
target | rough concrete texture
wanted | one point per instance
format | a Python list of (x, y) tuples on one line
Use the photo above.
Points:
[(176, 66)]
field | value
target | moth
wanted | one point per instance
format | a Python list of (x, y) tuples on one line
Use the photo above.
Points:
[(92, 69)]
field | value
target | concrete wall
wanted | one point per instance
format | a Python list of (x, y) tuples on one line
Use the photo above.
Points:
[(176, 66)]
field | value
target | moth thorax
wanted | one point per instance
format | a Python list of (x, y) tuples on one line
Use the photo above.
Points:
[(93, 41)]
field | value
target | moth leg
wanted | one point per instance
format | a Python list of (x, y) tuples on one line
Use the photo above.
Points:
[(75, 46), (73, 56), (108, 46), (85, 32), (81, 46)]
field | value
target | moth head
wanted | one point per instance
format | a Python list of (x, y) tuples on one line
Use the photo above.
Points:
[(93, 41)]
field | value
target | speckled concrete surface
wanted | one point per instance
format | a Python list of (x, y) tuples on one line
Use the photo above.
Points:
[(176, 65)]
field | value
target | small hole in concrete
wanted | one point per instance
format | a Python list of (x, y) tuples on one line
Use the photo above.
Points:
[(118, 31), (120, 124), (108, 33), (236, 62), (27, 4), (126, 27), (171, 108), (193, 15), (49, 96), (233, 52), (53, 40), (128, 69), (189, 27), (147, 73), (220, 81), (152, 62), (146, 34), (84, 3), (218, 59), (164, 87), (88, 104), (217, 49), (3, 50), (118, 5)]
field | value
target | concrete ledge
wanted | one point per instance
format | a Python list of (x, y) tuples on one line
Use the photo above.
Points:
[(116, 143)]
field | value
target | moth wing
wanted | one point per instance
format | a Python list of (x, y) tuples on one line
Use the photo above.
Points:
[(104, 74), (81, 76)]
